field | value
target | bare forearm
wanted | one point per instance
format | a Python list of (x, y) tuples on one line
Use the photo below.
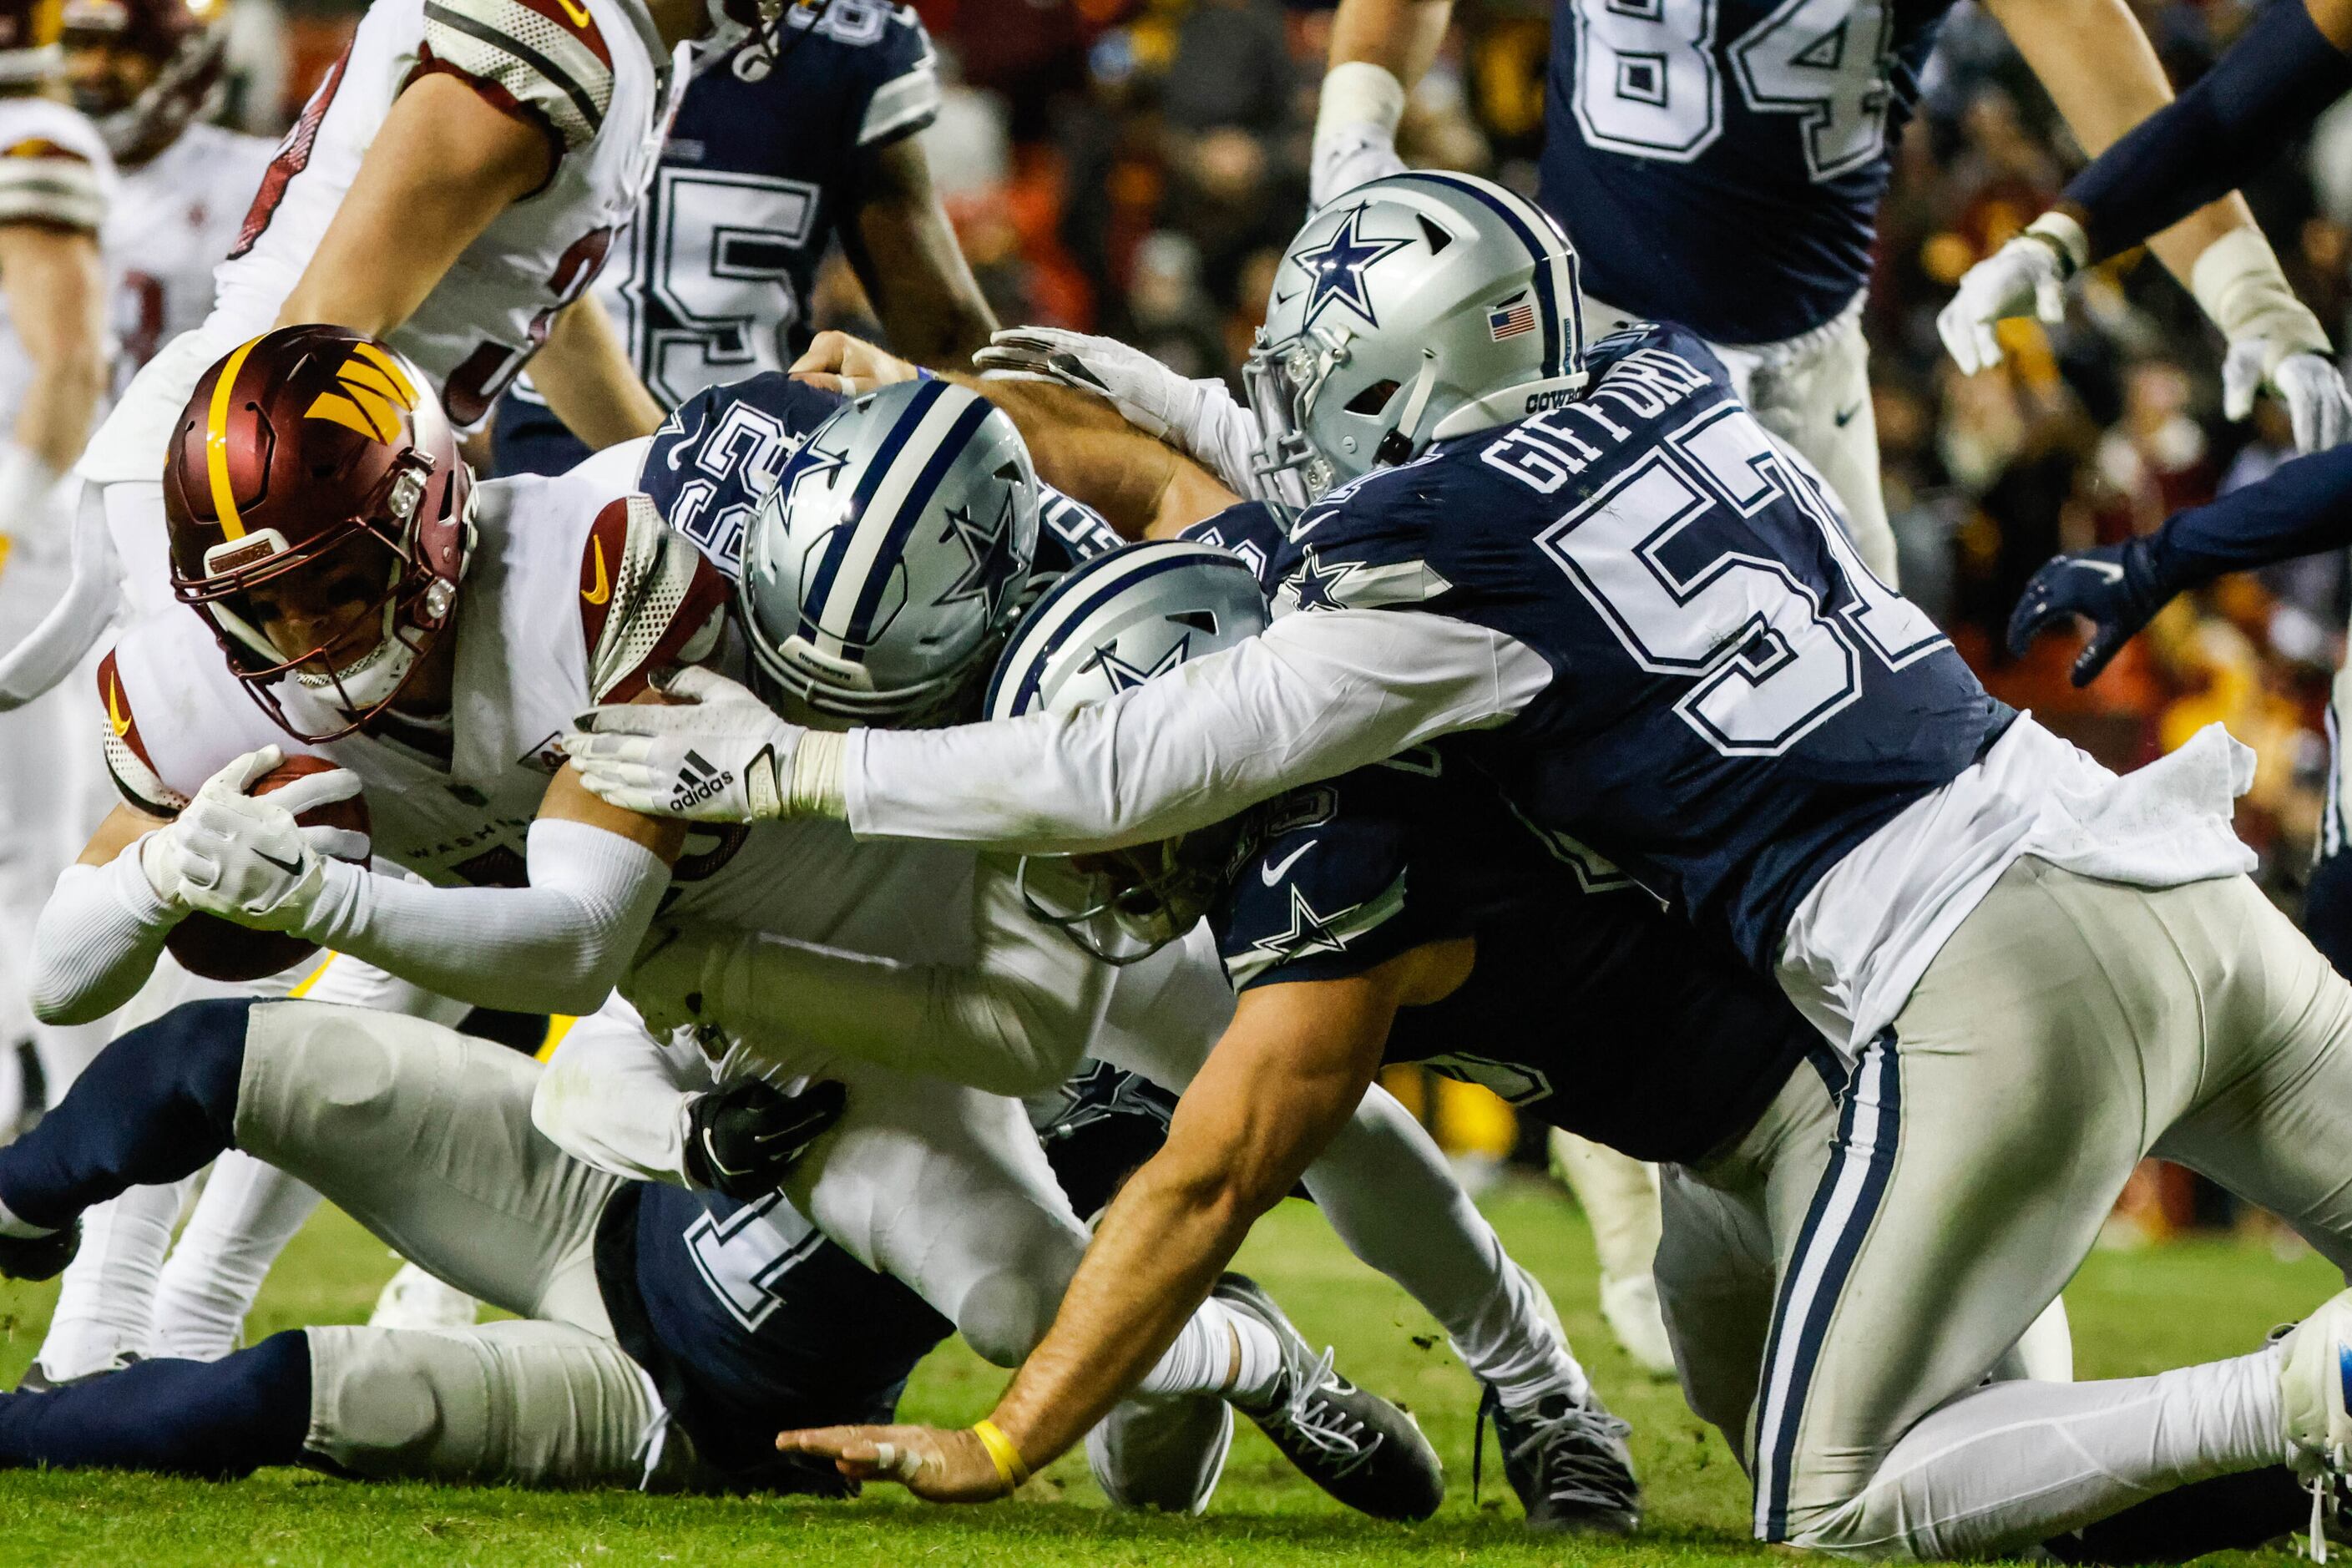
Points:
[(585, 373), (1401, 37), (1083, 448), (57, 303), (54, 424)]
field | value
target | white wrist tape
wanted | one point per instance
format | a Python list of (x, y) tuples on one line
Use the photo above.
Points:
[(816, 776), (2065, 234), (2238, 284), (1359, 93)]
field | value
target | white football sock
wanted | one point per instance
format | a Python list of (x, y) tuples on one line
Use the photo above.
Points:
[(1386, 1188), (247, 1213), (2015, 1463), (1220, 1351), (106, 1301)]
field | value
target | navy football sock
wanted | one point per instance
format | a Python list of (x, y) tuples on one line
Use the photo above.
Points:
[(215, 1420), (154, 1106), (2226, 1513)]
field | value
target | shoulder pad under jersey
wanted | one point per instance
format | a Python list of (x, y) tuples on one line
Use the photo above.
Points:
[(648, 599), (127, 762), (544, 60)]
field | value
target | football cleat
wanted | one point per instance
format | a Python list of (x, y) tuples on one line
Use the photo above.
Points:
[(415, 1299), (1363, 1450), (1568, 1462), (39, 1257), (2316, 1407), (1161, 1453), (36, 1379)]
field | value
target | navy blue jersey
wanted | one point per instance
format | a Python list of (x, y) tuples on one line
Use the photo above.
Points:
[(720, 450), (1587, 1005), (1250, 530), (1733, 703), (712, 281), (1720, 162)]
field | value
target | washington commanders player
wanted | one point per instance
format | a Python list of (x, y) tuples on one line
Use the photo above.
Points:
[(56, 182), (147, 72)]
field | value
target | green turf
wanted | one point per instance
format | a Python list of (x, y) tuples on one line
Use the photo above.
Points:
[(2132, 1313)]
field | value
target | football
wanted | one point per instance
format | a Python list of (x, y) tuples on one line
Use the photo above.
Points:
[(223, 949)]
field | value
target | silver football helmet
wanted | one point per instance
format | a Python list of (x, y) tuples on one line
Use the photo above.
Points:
[(1414, 308), (1112, 622), (882, 572)]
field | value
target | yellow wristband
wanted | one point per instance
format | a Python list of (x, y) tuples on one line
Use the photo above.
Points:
[(1002, 1453)]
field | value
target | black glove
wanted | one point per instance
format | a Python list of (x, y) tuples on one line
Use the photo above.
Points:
[(744, 1139), (2115, 587)]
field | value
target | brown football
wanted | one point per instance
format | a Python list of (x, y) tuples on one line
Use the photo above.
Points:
[(223, 949)]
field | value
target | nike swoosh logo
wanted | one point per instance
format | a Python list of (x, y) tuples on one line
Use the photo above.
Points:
[(602, 591), (1275, 873), (1846, 417), (114, 708), (291, 867), (2112, 570)]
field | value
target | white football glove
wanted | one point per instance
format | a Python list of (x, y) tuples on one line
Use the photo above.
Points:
[(2274, 340), (718, 755), (243, 858), (1200, 418), (2027, 277)]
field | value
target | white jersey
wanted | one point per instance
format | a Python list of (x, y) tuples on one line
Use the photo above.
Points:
[(173, 218), (592, 74), (575, 594), (55, 171)]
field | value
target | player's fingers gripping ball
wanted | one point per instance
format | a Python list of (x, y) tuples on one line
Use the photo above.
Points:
[(246, 856)]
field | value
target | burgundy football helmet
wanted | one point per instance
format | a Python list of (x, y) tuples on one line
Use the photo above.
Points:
[(314, 451), (184, 44)]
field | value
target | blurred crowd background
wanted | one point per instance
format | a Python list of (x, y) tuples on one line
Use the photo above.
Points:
[(1132, 166)]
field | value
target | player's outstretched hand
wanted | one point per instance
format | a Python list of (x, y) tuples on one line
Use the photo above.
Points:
[(243, 858), (2025, 278), (935, 1464), (851, 366), (1146, 393), (714, 753), (2305, 380), (2112, 586)]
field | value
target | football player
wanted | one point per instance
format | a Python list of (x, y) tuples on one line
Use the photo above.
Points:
[(664, 1328), (452, 186), (329, 551), (57, 184), (1601, 579), (1722, 167), (773, 156)]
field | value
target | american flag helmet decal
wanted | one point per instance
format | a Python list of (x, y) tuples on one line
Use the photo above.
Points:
[(1512, 318)]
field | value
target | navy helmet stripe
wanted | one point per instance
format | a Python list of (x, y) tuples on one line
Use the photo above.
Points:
[(1099, 582), (1845, 1203), (837, 550), (910, 511), (1536, 250)]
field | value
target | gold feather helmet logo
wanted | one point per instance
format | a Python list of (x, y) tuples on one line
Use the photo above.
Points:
[(374, 393)]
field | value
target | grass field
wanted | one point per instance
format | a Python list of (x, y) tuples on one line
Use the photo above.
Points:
[(2132, 1313)]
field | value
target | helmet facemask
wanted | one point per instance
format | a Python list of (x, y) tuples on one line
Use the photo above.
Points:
[(1138, 900)]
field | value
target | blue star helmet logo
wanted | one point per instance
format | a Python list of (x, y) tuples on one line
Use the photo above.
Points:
[(1338, 267), (988, 548), (1122, 674)]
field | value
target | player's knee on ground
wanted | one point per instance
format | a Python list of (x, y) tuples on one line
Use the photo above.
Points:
[(529, 1404)]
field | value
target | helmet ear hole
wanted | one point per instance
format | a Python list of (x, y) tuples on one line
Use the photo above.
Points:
[(1373, 398)]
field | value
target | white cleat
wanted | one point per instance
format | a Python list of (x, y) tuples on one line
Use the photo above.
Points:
[(415, 1299), (1629, 1305), (2316, 1407), (1164, 1453)]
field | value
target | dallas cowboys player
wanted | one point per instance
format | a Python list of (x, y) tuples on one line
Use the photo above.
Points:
[(1721, 165), (1621, 597), (775, 154)]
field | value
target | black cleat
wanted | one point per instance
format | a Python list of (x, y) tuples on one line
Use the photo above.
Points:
[(1363, 1450), (39, 1257), (37, 1380), (1566, 1461)]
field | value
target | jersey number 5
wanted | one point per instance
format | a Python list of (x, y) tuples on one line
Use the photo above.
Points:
[(1647, 83), (1770, 655)]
